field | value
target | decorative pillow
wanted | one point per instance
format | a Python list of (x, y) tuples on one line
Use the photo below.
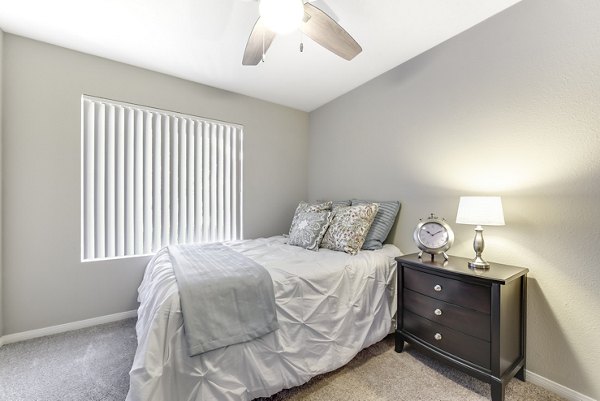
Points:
[(349, 228), (384, 220), (335, 204), (310, 207), (309, 229)]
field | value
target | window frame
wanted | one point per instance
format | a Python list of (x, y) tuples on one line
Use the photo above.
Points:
[(119, 131)]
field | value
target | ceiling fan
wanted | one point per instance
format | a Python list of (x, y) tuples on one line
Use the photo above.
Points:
[(285, 16)]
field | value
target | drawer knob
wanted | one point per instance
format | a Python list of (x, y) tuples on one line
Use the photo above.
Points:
[(437, 336), (438, 312), (437, 287)]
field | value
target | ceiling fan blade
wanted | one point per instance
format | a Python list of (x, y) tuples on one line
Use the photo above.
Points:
[(321, 28), (320, 4), (258, 43)]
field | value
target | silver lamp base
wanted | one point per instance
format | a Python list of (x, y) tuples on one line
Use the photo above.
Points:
[(479, 263), (478, 245)]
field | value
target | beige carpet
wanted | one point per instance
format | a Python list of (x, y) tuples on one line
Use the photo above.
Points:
[(92, 365), (380, 374)]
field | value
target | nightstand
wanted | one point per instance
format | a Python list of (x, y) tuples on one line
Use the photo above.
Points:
[(474, 320)]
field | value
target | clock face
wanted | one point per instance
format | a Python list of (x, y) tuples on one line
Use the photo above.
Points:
[(433, 235)]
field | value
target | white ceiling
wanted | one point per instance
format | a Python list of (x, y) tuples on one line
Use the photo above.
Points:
[(203, 40)]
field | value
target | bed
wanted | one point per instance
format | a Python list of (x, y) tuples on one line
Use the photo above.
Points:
[(329, 305)]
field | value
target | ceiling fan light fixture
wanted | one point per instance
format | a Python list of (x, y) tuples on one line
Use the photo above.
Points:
[(281, 16)]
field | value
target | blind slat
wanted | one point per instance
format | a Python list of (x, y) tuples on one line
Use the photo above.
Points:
[(220, 189), (120, 179), (129, 184), (227, 172), (240, 214), (147, 184), (157, 183), (100, 175), (175, 181), (191, 157), (182, 223), (213, 183), (198, 177), (110, 163), (166, 194), (88, 182), (206, 183), (234, 147), (138, 187)]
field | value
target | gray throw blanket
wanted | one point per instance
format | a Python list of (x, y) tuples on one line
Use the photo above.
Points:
[(226, 298)]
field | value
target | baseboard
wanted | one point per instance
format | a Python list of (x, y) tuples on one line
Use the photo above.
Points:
[(556, 388), (61, 328)]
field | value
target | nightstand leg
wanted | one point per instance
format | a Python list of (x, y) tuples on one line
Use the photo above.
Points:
[(497, 391), (399, 343), (521, 374)]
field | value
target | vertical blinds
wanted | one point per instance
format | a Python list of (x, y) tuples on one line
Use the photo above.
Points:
[(151, 178)]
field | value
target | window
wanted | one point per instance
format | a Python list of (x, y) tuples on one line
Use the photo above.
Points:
[(152, 177)]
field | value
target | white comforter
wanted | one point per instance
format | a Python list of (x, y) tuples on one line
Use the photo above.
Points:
[(330, 305)]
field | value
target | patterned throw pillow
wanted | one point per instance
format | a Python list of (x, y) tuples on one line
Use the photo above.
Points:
[(309, 229), (349, 228), (335, 204), (384, 220), (310, 207)]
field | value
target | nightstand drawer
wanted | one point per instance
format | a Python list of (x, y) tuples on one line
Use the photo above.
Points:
[(454, 291), (468, 321), (460, 345)]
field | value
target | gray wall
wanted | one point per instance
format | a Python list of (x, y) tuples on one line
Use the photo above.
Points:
[(1, 123), (44, 282), (510, 107)]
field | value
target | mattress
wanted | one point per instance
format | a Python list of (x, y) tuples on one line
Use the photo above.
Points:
[(330, 305)]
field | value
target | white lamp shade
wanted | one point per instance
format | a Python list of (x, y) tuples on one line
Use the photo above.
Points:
[(480, 210), (281, 16)]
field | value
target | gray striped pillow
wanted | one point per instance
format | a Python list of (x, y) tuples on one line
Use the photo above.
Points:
[(384, 220)]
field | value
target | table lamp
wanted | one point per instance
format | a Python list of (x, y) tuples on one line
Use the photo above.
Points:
[(480, 211)]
